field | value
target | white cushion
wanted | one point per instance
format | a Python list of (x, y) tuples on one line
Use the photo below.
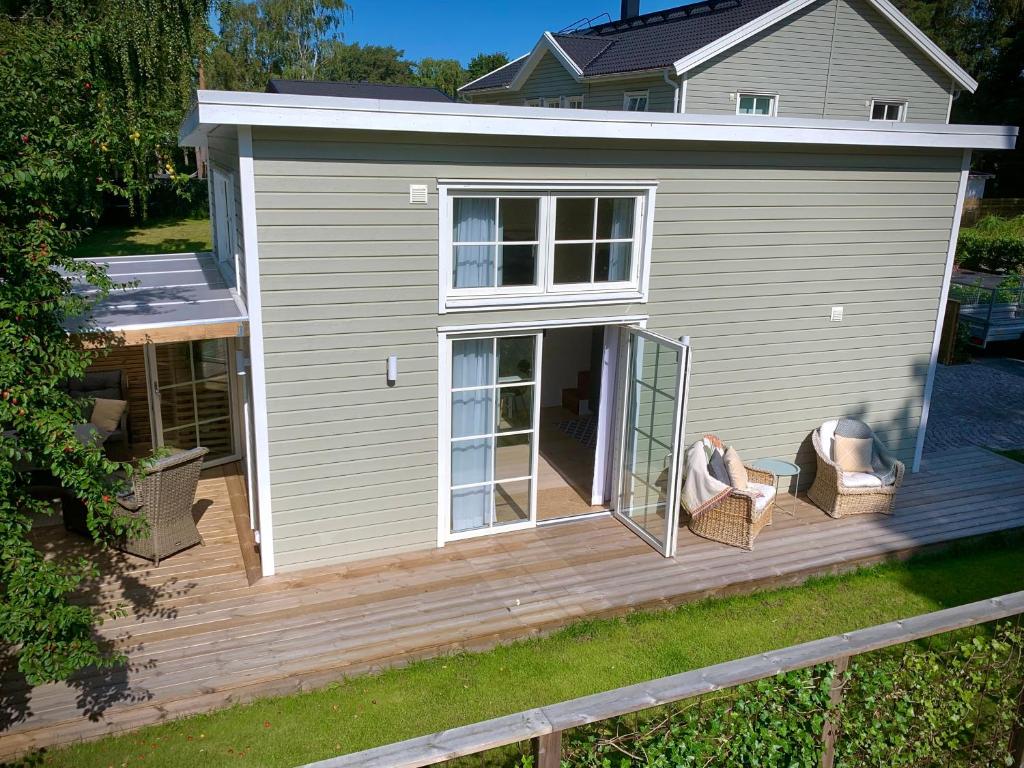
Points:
[(765, 493), (861, 480), (826, 434)]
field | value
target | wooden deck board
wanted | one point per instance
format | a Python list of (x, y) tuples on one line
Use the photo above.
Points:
[(200, 635)]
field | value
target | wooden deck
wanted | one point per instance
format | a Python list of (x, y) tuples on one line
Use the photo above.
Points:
[(200, 636)]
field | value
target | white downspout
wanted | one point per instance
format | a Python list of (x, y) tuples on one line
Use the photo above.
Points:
[(675, 88)]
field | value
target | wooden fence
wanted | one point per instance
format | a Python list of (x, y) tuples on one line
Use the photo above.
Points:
[(544, 725)]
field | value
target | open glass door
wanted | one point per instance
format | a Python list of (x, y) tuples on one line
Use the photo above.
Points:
[(655, 373)]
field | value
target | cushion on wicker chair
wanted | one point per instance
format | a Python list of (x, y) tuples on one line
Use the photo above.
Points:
[(737, 472), (717, 468), (763, 494), (853, 454)]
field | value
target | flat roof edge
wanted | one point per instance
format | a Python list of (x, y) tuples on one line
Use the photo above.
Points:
[(284, 110)]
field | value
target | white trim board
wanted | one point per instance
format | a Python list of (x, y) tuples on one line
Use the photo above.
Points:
[(276, 110), (782, 12), (929, 385), (257, 365)]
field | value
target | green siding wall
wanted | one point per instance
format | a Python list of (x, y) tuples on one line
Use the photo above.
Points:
[(828, 60), (752, 246)]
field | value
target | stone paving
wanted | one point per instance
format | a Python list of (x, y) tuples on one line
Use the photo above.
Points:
[(977, 404)]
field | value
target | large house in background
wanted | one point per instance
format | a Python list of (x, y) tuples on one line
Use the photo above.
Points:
[(839, 59)]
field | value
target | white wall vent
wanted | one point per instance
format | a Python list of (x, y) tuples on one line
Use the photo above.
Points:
[(418, 194), (837, 315)]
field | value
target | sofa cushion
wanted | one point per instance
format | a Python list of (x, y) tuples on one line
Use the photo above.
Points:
[(853, 428), (106, 414), (737, 472), (862, 480), (825, 435), (853, 454), (717, 468), (763, 494)]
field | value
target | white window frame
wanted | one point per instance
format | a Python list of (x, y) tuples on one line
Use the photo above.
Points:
[(552, 102), (574, 102), (903, 105), (772, 112), (533, 102), (228, 263), (545, 292), (630, 95)]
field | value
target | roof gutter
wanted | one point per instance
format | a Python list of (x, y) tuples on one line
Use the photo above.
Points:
[(275, 110)]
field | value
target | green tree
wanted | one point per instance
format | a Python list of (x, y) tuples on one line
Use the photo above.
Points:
[(444, 74), (369, 63), (483, 63), (91, 95), (261, 39)]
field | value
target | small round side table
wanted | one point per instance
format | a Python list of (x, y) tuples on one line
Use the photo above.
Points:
[(781, 468)]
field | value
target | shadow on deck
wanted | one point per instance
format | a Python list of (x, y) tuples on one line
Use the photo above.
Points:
[(204, 637)]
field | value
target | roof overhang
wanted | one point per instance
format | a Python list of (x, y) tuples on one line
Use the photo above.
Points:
[(887, 9), (214, 108), (163, 297), (488, 74), (546, 44)]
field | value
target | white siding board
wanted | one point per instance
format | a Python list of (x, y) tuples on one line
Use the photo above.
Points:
[(750, 278)]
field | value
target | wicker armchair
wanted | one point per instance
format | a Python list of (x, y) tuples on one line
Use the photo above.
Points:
[(736, 520), (837, 498), (164, 495)]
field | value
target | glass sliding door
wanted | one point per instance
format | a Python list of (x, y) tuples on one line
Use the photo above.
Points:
[(493, 436), (192, 397), (651, 432)]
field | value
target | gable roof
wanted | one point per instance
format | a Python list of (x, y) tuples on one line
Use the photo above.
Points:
[(680, 38), (360, 90)]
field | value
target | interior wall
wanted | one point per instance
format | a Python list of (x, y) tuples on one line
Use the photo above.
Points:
[(566, 353)]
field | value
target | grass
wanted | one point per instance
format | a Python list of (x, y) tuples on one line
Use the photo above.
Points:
[(584, 658), (1016, 454), (173, 235)]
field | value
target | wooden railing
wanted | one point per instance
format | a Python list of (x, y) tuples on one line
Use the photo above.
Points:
[(544, 725)]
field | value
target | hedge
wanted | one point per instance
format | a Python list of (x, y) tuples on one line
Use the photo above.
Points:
[(994, 245)]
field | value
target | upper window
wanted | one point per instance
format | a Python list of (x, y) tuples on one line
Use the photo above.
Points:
[(574, 102), (555, 102), (894, 111), (533, 102), (756, 104), (635, 101), (525, 247)]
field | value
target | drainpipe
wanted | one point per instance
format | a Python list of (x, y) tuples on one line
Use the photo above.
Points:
[(675, 88)]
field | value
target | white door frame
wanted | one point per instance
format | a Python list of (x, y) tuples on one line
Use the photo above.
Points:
[(153, 387), (444, 338), (668, 549)]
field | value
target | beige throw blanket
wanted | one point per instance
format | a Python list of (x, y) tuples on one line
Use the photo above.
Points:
[(701, 491)]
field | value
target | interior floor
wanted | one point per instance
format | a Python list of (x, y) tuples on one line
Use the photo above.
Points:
[(565, 471)]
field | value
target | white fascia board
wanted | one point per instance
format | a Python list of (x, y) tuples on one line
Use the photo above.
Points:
[(887, 9), (546, 44), (497, 88), (290, 111)]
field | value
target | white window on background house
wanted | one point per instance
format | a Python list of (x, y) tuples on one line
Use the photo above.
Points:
[(525, 247), (635, 101), (894, 111), (756, 104), (574, 102), (532, 103), (553, 102)]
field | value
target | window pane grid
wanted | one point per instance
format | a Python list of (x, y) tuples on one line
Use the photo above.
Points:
[(498, 481)]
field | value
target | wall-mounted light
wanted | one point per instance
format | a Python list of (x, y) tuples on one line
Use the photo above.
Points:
[(392, 370)]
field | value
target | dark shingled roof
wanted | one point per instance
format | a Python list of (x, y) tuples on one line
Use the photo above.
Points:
[(357, 90), (649, 41)]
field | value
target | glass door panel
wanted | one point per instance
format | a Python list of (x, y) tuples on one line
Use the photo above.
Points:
[(493, 427), (655, 376), (191, 384)]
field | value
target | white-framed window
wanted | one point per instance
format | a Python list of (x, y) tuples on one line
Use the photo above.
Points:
[(635, 101), (574, 102), (553, 102), (533, 103), (894, 111), (531, 244), (765, 104)]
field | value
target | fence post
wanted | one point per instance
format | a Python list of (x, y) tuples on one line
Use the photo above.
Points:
[(547, 750), (835, 695)]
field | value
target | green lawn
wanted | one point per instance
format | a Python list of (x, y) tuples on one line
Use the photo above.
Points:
[(584, 658), (157, 236)]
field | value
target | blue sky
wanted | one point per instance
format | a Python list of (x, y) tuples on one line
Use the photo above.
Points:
[(463, 28)]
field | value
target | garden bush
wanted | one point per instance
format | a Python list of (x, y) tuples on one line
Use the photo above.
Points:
[(993, 245)]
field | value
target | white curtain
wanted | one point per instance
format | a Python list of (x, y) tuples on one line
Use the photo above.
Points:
[(472, 414), (473, 221), (622, 227)]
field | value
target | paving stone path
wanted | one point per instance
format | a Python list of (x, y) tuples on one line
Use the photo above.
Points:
[(976, 404)]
